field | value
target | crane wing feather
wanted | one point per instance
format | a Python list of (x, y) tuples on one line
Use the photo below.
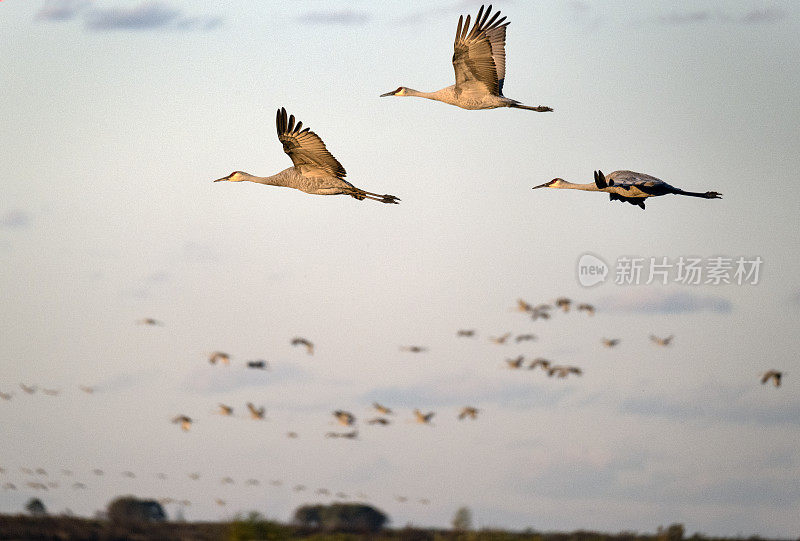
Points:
[(305, 148), (479, 57)]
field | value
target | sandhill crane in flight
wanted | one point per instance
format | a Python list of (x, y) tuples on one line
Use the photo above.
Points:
[(258, 365), (51, 392), (28, 389), (627, 187), (515, 363), (423, 418), (479, 61), (149, 321), (564, 371), (383, 421), (194, 476), (184, 421), (585, 307), (468, 411), (224, 409), (523, 306), (219, 356), (220, 502), (466, 333), (86, 389), (500, 340), (6, 396), (661, 341), (78, 485), (344, 417), (315, 170), (129, 474), (774, 375), (252, 482), (256, 413), (383, 410), (610, 342), (413, 349), (291, 435), (544, 363), (227, 481), (9, 486), (540, 312), (303, 342), (524, 337), (98, 471), (563, 303)]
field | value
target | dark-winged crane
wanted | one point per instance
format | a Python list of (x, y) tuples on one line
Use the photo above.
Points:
[(627, 187)]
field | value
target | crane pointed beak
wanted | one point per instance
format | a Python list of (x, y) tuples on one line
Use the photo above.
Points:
[(219, 179), (545, 185), (392, 93)]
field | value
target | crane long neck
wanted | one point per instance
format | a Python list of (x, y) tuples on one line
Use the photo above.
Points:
[(590, 187), (280, 179), (439, 95)]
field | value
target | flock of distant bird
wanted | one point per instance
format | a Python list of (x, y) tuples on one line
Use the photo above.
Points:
[(479, 62)]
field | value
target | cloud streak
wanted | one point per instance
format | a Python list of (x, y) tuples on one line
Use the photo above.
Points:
[(15, 219), (151, 15), (340, 17), (767, 15), (649, 302)]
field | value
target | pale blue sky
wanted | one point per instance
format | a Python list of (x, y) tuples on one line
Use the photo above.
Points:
[(118, 115)]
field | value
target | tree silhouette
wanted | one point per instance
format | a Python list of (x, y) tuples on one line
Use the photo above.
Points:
[(36, 508), (462, 520), (127, 509), (341, 516)]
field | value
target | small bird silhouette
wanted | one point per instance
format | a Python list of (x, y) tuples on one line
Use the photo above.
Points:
[(423, 418), (219, 356), (344, 417), (468, 411), (303, 342), (588, 308), (661, 341), (383, 410), (184, 421), (149, 321), (500, 339), (224, 409), (544, 363), (379, 421), (6, 396), (563, 303), (774, 375), (413, 349), (525, 337), (256, 413), (258, 365), (515, 363), (465, 333), (610, 342), (28, 389)]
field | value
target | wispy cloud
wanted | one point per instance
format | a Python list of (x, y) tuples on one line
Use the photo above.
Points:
[(652, 302), (685, 17), (61, 10), (766, 15), (151, 15), (213, 380), (15, 219), (726, 404), (341, 17), (756, 16), (144, 16)]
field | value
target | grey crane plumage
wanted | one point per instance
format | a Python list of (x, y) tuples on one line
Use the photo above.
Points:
[(314, 171), (479, 62), (627, 187)]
